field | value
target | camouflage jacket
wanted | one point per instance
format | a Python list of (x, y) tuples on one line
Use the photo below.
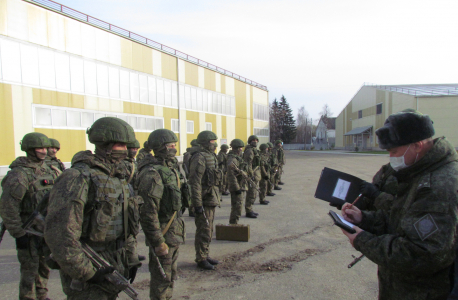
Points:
[(130, 164), (222, 161), (273, 159), (187, 158), (236, 181), (265, 165), (204, 179), (159, 185), (414, 243), (387, 184), (279, 154), (141, 154), (90, 202), (252, 158), (23, 189), (55, 164)]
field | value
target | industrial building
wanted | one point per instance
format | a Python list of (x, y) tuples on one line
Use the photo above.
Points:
[(372, 104), (61, 69)]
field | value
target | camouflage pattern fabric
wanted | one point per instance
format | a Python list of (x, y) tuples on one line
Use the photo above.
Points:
[(54, 163), (236, 183), (280, 155), (222, 164), (252, 159), (187, 158), (23, 188), (236, 207), (414, 243), (130, 164), (387, 184), (88, 203), (158, 185), (142, 153), (265, 172), (204, 233)]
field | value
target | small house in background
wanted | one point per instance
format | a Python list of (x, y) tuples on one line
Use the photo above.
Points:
[(325, 133)]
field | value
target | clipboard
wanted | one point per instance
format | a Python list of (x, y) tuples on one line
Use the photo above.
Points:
[(338, 222), (337, 187)]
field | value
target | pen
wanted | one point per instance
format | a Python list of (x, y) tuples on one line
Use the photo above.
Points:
[(356, 200)]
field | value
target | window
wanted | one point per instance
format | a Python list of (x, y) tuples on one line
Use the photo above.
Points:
[(208, 126), (260, 112), (379, 108), (360, 114), (189, 126), (261, 131), (175, 125)]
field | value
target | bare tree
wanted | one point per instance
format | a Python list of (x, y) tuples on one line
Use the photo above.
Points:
[(302, 123), (326, 111)]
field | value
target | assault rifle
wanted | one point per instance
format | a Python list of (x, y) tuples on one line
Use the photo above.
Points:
[(37, 219), (245, 176), (355, 261), (2, 231), (114, 278)]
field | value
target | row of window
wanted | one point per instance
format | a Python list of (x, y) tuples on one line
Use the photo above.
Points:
[(45, 68), (70, 118), (378, 109), (261, 131), (189, 126), (260, 112)]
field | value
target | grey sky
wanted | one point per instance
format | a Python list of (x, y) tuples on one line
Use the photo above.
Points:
[(313, 52)]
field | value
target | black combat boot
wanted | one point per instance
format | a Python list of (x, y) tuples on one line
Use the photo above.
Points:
[(204, 264), (281, 183), (141, 257), (251, 215), (271, 194), (212, 261), (264, 202), (226, 193), (277, 188)]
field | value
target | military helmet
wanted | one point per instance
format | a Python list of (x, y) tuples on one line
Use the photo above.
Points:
[(194, 143), (235, 143), (263, 146), (270, 144), (135, 144), (224, 147), (159, 137), (205, 136), (54, 143), (145, 144), (252, 137), (34, 140), (278, 142), (110, 130)]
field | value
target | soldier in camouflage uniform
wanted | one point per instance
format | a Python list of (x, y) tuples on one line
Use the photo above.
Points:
[(413, 243), (145, 151), (237, 185), (252, 158), (159, 185), (204, 180), (129, 163), (92, 203), (273, 168), (186, 158), (24, 187), (280, 156), (380, 193), (222, 164), (265, 173), (51, 160)]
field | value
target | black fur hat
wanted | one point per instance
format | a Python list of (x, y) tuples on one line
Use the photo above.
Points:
[(403, 128)]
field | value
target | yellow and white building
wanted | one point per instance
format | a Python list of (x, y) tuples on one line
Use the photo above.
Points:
[(372, 104), (60, 70)]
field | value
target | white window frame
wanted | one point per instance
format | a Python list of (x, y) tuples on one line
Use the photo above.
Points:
[(188, 123), (262, 132), (207, 124), (177, 121)]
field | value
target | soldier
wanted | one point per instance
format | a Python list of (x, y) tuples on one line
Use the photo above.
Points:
[(24, 187), (380, 193), (143, 152), (186, 158), (280, 156), (222, 164), (204, 179), (414, 242), (159, 185), (130, 163), (51, 160), (273, 169), (91, 203), (237, 184), (252, 159), (265, 173)]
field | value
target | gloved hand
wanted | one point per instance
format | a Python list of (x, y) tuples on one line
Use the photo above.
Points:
[(239, 192), (199, 209), (99, 276), (22, 242), (133, 274), (336, 205), (266, 177), (162, 249), (369, 190)]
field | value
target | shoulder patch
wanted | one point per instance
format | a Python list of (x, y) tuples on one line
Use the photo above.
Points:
[(425, 182), (426, 226)]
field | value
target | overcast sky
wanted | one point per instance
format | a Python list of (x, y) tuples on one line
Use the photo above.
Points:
[(313, 52)]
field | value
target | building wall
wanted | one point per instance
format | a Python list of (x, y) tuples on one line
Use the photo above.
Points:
[(441, 109), (52, 63)]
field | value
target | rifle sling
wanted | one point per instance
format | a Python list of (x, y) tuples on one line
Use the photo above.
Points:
[(168, 224)]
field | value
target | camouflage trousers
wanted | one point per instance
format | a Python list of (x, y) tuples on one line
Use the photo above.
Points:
[(271, 183), (91, 292), (160, 288), (204, 232), (236, 207), (263, 184), (251, 197), (34, 271), (224, 186), (278, 175)]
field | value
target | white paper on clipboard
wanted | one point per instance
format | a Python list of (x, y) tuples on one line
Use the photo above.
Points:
[(341, 189)]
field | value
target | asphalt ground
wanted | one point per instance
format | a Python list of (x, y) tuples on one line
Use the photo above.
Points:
[(294, 251)]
